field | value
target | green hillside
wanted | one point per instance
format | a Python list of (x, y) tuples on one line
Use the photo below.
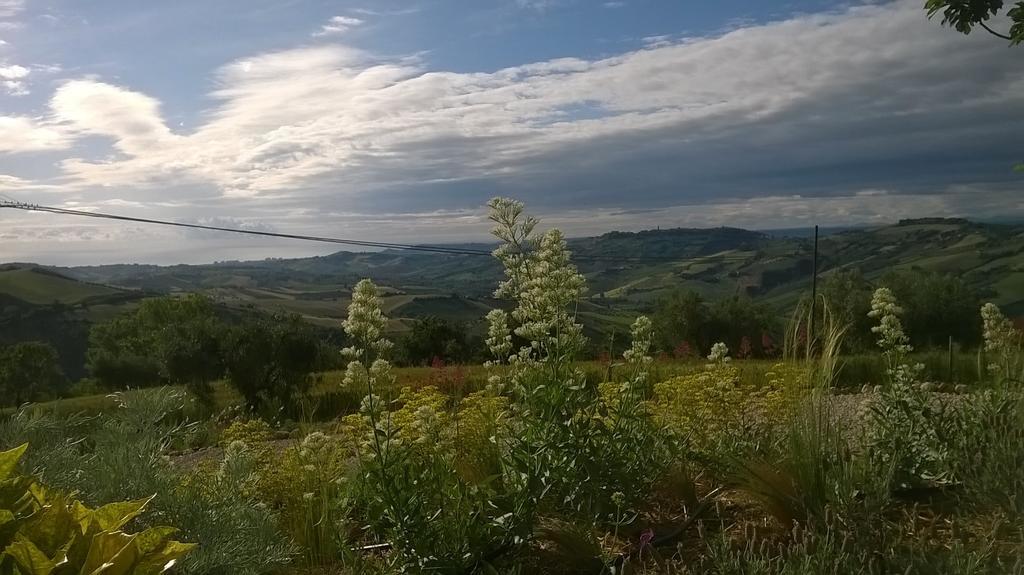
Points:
[(626, 274), (40, 286)]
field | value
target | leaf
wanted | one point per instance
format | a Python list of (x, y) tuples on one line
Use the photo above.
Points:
[(9, 460), (163, 560), (111, 553), (29, 558), (153, 538), (52, 527), (114, 515)]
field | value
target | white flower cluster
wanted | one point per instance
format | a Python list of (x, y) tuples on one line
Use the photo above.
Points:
[(719, 353), (365, 323), (543, 283), (1002, 340), (499, 336), (365, 326), (889, 329), (643, 336), (894, 342)]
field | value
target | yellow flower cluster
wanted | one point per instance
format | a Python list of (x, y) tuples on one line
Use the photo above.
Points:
[(251, 432), (709, 405)]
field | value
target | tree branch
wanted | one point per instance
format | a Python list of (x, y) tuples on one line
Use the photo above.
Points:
[(994, 33)]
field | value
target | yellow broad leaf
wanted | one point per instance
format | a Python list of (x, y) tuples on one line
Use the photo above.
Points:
[(114, 516), (30, 560), (111, 553), (9, 460), (153, 538), (52, 527), (163, 560)]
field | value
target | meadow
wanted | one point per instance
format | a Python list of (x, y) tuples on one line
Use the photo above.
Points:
[(538, 462)]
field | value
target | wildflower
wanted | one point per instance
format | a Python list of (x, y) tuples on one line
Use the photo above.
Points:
[(370, 404), (366, 322), (542, 281), (719, 353), (499, 338), (894, 342), (643, 334), (619, 498), (683, 350), (1002, 340), (646, 537)]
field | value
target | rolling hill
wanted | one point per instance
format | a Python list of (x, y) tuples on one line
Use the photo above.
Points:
[(626, 273)]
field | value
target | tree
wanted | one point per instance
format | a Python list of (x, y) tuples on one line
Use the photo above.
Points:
[(30, 371), (269, 360), (680, 317), (434, 337), (964, 15), (734, 318), (848, 297), (935, 307), (168, 339)]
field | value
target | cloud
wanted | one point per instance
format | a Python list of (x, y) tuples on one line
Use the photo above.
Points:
[(12, 77), (24, 134), (822, 107), (130, 118), (338, 25), (9, 8), (614, 4)]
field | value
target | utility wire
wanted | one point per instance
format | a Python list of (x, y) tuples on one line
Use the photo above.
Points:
[(6, 202)]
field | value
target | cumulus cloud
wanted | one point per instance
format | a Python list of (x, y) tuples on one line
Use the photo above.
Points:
[(818, 106), (24, 134), (338, 25)]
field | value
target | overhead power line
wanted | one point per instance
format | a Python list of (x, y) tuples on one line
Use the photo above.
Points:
[(6, 202)]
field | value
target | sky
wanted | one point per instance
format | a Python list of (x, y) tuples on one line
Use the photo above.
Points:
[(395, 120)]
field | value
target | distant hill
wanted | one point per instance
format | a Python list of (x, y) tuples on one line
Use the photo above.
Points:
[(626, 272), (39, 285)]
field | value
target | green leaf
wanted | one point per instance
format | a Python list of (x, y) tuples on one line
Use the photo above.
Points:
[(9, 460), (29, 558)]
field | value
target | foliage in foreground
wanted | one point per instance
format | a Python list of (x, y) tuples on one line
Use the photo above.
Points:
[(47, 533)]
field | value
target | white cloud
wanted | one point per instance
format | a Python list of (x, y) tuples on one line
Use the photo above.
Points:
[(10, 8), (338, 25), (688, 122), (24, 134), (130, 118), (13, 72), (12, 78)]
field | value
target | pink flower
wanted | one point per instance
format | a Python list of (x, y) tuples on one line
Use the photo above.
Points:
[(646, 537)]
